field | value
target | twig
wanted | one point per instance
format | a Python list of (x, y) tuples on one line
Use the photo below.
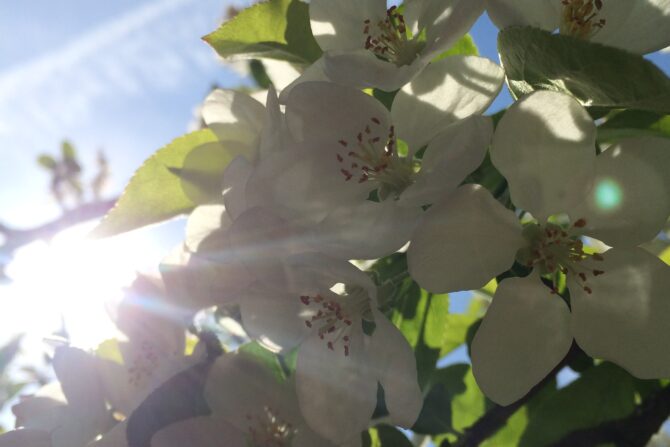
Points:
[(15, 238), (497, 417), (633, 431)]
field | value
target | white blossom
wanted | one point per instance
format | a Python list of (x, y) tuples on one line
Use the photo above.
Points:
[(545, 148), (641, 26)]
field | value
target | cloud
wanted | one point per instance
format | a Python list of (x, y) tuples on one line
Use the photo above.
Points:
[(154, 46)]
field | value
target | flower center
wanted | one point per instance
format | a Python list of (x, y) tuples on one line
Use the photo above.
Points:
[(269, 430), (555, 250), (333, 318), (373, 156), (580, 18), (390, 40), (143, 364)]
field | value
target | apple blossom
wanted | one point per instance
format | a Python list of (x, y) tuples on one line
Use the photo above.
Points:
[(545, 147), (348, 145), (367, 45), (641, 26), (339, 364), (154, 351), (70, 416), (249, 406)]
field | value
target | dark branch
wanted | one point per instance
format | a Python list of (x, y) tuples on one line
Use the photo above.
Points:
[(15, 238), (497, 417), (633, 431)]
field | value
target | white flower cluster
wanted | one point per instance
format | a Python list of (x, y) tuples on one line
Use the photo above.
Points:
[(325, 174)]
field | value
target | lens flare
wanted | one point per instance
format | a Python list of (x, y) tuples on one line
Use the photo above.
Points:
[(608, 195)]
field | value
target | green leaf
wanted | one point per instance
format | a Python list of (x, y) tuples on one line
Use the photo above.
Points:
[(603, 393), (410, 316), (465, 46), (68, 151), (202, 172), (277, 29), (510, 434), (266, 358), (634, 123), (436, 415), (260, 75), (456, 326), (154, 193), (47, 162), (385, 436), (110, 350), (596, 75)]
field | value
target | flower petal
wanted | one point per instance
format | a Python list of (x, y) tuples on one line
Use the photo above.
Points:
[(463, 241), (524, 335), (446, 91), (639, 27), (323, 111), (273, 317), (261, 241), (393, 359), (368, 230), (315, 72), (25, 438), (339, 25), (236, 118), (629, 177), (337, 393), (235, 179), (625, 319), (76, 371), (446, 21), (545, 147), (239, 388), (305, 184), (199, 431), (449, 158), (203, 221), (362, 69), (543, 14), (272, 133)]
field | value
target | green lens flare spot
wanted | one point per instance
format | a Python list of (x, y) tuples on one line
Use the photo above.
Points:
[(608, 195)]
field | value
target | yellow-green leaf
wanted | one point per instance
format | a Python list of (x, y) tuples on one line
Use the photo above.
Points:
[(155, 194)]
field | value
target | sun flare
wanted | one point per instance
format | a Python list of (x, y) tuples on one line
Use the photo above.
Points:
[(72, 281)]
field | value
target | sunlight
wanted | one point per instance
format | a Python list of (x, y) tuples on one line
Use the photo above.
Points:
[(72, 281)]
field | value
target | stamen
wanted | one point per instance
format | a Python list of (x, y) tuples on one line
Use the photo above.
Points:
[(555, 251), (580, 18), (268, 429), (370, 160), (335, 316), (391, 41)]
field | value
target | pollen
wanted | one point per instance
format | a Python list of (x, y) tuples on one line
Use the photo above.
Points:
[(372, 157), (269, 429), (390, 40), (580, 18), (557, 250), (333, 317)]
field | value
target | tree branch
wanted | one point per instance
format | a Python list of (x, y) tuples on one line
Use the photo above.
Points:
[(497, 417), (16, 238), (633, 431)]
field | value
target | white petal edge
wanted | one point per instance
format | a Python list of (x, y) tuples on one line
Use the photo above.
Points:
[(449, 158), (629, 203), (395, 364), (463, 241), (524, 335), (544, 146), (625, 319), (446, 91)]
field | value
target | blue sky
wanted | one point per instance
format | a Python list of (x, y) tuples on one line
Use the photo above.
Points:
[(122, 75)]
